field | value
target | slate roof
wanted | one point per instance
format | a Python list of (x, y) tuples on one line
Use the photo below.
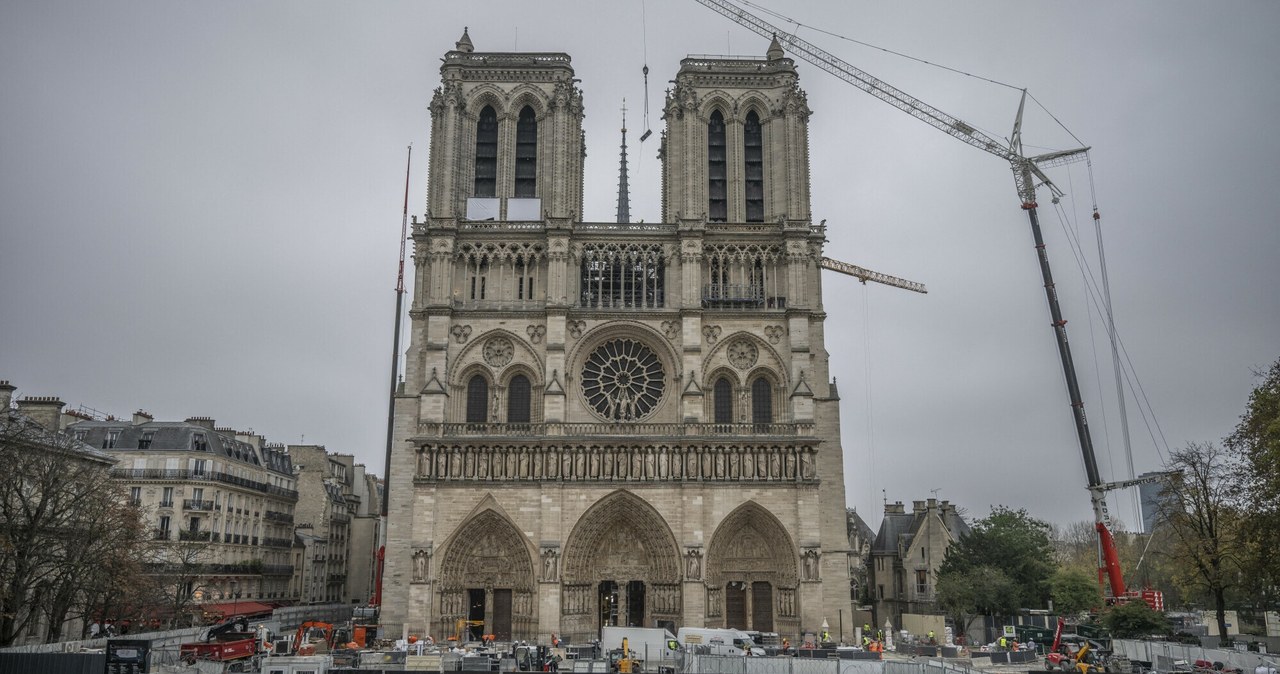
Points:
[(897, 530), (855, 524), (170, 436), (335, 493), (13, 419)]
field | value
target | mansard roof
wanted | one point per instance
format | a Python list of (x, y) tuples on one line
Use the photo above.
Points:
[(180, 436), (20, 427), (335, 493)]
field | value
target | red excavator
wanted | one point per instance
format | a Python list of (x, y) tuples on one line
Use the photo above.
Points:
[(313, 637), (228, 640)]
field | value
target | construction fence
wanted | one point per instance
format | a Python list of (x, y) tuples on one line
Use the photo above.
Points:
[(1163, 655), (718, 664)]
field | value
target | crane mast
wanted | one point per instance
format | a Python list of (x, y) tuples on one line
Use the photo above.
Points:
[(1026, 173)]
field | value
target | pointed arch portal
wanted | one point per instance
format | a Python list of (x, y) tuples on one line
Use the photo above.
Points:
[(487, 578), (752, 574), (621, 567)]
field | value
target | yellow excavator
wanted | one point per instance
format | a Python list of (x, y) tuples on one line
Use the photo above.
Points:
[(462, 627)]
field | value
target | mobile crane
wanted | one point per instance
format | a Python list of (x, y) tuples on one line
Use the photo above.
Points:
[(1026, 172)]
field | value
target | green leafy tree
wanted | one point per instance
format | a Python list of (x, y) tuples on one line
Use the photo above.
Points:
[(1134, 619), (1016, 544), (1074, 591), (981, 590), (1255, 443), (1206, 527)]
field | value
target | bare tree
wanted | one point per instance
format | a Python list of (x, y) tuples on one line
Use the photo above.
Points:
[(58, 516), (1203, 521), (109, 560), (177, 571)]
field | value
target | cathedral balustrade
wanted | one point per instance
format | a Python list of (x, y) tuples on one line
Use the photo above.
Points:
[(803, 429), (627, 227), (503, 225), (785, 463), (498, 304), (507, 59)]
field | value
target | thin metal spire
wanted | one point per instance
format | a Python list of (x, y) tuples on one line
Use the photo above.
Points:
[(624, 195)]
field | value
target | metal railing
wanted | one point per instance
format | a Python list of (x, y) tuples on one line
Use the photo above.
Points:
[(192, 504), (188, 535), (184, 474), (273, 516)]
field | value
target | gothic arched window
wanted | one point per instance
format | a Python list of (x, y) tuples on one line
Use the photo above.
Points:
[(487, 153), (518, 400), (526, 154), (761, 401), (717, 184), (722, 400), (477, 400), (753, 157)]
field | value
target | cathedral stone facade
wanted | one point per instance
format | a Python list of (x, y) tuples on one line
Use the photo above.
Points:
[(616, 423)]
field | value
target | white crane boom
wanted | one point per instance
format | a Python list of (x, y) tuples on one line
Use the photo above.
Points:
[(1025, 170), (863, 274)]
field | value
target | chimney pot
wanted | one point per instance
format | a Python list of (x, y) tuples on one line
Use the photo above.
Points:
[(6, 394), (44, 410)]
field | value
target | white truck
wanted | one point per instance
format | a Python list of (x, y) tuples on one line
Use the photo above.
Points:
[(652, 645), (718, 641)]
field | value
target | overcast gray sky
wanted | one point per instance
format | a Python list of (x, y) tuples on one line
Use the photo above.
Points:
[(200, 211)]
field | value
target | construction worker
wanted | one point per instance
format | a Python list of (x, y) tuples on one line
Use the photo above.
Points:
[(932, 638), (1004, 644)]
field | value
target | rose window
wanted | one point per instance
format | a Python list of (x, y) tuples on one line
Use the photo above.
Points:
[(622, 380)]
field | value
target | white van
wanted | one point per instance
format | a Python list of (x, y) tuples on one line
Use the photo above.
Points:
[(718, 641)]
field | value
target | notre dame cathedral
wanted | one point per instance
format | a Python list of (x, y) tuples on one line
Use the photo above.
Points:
[(616, 423)]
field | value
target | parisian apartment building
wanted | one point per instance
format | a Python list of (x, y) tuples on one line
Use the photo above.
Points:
[(337, 521), (264, 523)]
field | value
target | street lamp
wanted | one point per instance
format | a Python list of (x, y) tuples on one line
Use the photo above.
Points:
[(198, 596)]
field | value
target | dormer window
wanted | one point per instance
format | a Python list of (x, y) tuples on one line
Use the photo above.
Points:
[(144, 442), (199, 443), (109, 442)]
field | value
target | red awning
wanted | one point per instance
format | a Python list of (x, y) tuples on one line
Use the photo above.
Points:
[(234, 609)]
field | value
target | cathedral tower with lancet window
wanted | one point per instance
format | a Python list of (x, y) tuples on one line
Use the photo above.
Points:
[(615, 423)]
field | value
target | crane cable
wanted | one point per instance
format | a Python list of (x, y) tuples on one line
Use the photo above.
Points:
[(1130, 373), (866, 380), (799, 25), (644, 40)]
